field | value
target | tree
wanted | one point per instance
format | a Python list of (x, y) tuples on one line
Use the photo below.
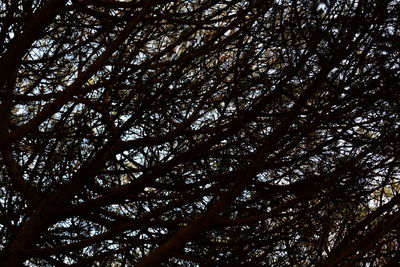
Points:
[(199, 133)]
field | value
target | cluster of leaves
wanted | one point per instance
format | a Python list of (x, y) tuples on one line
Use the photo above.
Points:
[(199, 132)]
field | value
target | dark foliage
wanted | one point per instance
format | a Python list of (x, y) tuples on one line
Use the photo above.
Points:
[(199, 133)]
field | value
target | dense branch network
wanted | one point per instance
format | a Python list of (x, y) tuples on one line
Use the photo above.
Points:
[(199, 133)]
